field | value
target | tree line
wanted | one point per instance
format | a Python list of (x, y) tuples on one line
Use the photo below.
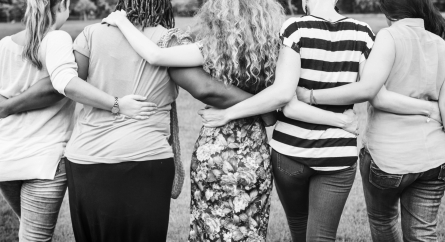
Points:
[(13, 10)]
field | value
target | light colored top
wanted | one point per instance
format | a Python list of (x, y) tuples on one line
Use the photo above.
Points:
[(115, 68), (401, 144), (32, 143), (331, 53)]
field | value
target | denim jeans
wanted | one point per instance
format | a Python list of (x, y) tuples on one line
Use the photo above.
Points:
[(37, 204), (312, 200), (419, 194)]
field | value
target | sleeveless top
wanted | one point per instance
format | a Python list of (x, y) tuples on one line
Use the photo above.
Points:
[(401, 144), (331, 53)]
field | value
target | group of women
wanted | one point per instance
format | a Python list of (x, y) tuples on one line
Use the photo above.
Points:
[(120, 157)]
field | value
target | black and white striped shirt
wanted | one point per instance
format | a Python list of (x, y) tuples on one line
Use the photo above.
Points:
[(331, 53)]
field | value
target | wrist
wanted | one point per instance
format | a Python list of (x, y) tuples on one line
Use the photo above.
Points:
[(429, 110), (341, 120)]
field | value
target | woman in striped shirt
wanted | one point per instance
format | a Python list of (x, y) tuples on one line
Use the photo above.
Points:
[(314, 159)]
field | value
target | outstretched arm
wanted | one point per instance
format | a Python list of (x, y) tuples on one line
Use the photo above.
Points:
[(381, 58), (177, 56), (384, 100), (39, 95), (212, 92), (274, 97)]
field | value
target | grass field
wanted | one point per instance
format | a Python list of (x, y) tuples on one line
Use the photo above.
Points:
[(353, 226)]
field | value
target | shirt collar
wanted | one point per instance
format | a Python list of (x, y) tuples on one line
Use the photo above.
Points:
[(413, 22)]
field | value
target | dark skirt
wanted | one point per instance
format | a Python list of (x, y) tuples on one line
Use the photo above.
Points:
[(128, 201)]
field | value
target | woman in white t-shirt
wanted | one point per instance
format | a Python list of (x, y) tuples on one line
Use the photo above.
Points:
[(35, 121)]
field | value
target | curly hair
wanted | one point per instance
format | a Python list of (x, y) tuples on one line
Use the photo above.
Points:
[(240, 41)]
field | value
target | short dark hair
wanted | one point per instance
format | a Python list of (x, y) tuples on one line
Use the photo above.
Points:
[(148, 13), (424, 9)]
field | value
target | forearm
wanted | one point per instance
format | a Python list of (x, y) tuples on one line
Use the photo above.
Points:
[(268, 100), (40, 95), (85, 93), (399, 104), (344, 95), (207, 89), (303, 112), (140, 43)]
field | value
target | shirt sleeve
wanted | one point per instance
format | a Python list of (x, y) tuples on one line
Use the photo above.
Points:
[(369, 40), (60, 61), (290, 34), (81, 44)]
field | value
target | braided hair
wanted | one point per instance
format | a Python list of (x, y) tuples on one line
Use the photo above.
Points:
[(148, 13)]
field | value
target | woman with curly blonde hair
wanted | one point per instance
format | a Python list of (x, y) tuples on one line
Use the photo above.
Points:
[(230, 169)]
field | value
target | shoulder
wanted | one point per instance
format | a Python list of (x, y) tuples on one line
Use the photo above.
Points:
[(90, 29), (58, 36), (295, 22), (361, 26)]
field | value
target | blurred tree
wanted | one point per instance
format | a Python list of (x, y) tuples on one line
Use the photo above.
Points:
[(85, 7)]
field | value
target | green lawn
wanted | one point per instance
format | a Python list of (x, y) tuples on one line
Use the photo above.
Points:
[(353, 226)]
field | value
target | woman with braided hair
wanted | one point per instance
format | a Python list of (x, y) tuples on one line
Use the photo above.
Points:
[(121, 173), (231, 173)]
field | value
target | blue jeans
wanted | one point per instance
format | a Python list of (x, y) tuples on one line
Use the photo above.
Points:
[(37, 204), (312, 200), (419, 194)]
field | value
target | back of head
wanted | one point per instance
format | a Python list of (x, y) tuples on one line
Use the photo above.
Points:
[(424, 9), (240, 40), (148, 13), (40, 16)]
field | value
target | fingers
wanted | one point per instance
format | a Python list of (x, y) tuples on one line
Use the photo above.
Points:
[(137, 97), (149, 105), (148, 109), (146, 114)]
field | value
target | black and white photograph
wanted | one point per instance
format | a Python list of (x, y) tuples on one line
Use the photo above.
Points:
[(222, 120)]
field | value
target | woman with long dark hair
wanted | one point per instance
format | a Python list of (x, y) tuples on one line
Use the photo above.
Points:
[(315, 161)]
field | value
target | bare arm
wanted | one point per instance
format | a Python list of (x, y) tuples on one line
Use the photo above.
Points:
[(386, 100), (210, 91), (177, 56), (40, 95), (82, 92), (274, 97), (381, 58)]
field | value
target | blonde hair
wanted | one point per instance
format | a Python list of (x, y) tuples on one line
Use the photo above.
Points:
[(39, 17), (240, 41)]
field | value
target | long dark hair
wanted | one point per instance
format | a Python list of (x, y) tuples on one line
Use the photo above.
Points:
[(40, 15), (148, 13), (424, 9)]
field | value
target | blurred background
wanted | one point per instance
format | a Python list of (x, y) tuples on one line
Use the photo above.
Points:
[(354, 223)]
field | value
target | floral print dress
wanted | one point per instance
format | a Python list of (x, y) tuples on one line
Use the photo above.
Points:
[(231, 183)]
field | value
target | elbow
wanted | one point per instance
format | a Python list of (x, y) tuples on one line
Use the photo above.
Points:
[(284, 97), (287, 111), (201, 93)]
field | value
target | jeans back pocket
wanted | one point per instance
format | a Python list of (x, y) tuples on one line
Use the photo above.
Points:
[(383, 180), (287, 165)]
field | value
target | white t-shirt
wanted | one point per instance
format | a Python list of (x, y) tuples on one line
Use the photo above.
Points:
[(32, 143)]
